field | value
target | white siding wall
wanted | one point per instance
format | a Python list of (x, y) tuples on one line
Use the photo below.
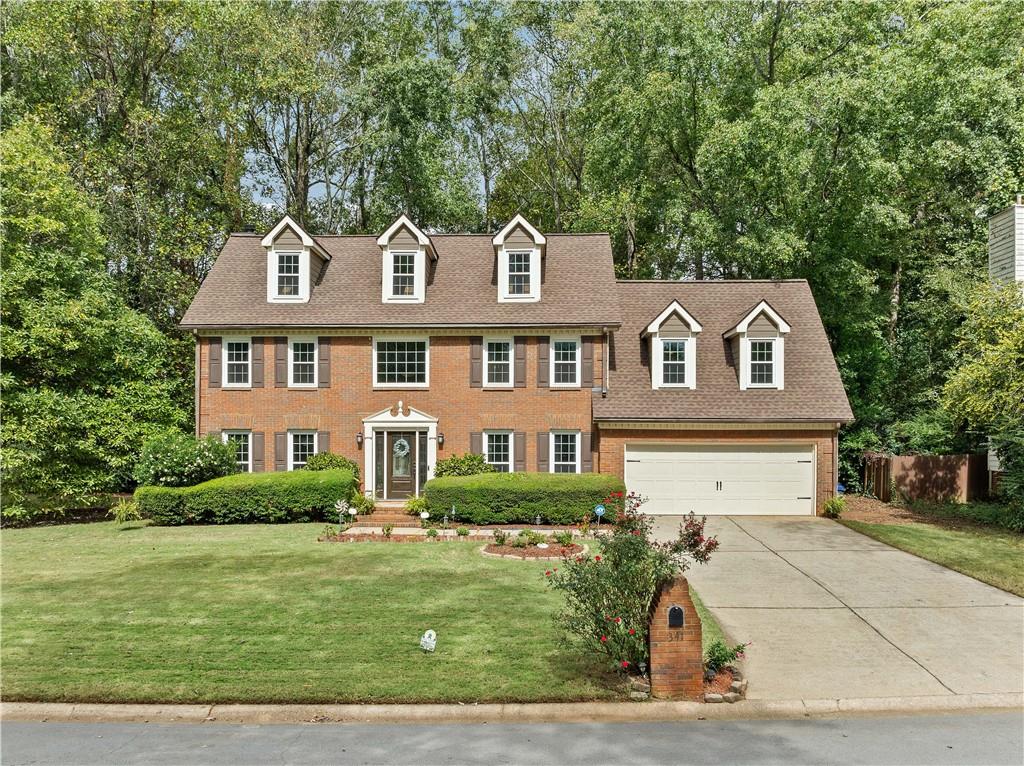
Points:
[(1006, 245)]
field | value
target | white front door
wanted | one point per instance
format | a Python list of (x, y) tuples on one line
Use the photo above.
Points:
[(722, 479)]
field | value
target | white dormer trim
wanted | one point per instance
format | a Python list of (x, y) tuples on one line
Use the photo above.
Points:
[(673, 308), (536, 236), (424, 241), (308, 245), (761, 308), (424, 248), (307, 241)]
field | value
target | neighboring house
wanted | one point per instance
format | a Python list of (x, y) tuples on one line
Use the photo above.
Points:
[(399, 350), (1005, 264)]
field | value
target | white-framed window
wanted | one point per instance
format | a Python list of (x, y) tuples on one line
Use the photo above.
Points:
[(401, 362), (520, 278), (498, 354), (236, 359), (301, 445), (302, 362), (761, 363), (674, 362), (403, 274), (242, 442), (288, 273), (565, 362), (565, 452), (498, 450)]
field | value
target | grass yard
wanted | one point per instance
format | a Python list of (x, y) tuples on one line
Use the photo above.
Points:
[(265, 613), (988, 555)]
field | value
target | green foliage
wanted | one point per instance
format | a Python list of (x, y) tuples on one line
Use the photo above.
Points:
[(719, 654), (1009, 447), (530, 538), (126, 511), (609, 596), (328, 461), (180, 460), (565, 538), (507, 498), (462, 465), (462, 531), (1000, 513), (361, 502), (249, 498), (500, 537), (834, 507), (387, 529), (416, 505), (432, 533)]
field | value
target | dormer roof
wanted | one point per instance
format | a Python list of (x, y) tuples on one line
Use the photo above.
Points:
[(673, 309), (761, 308), (517, 222), (403, 222), (307, 241)]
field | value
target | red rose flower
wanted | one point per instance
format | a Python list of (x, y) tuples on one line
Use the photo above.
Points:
[(597, 558), (631, 631), (625, 663), (548, 573), (604, 639), (618, 620)]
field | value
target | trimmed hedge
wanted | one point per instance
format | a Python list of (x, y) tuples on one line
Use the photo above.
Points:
[(250, 498), (513, 498)]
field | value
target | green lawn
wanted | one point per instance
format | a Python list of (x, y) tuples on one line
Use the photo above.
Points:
[(710, 630), (988, 555), (265, 613)]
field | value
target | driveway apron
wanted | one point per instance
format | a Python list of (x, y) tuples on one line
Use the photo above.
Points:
[(831, 613)]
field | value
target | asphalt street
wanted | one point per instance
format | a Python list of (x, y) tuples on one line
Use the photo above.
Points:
[(978, 738)]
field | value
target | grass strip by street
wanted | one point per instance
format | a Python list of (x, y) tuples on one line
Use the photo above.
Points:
[(994, 557), (263, 613), (710, 630)]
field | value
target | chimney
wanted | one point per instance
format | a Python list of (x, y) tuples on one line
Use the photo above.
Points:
[(1006, 244)]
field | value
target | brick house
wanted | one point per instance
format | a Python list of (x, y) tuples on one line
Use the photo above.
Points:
[(399, 350)]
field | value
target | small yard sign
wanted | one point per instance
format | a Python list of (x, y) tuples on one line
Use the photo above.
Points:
[(429, 641)]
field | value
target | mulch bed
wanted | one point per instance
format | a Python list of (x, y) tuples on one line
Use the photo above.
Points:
[(872, 511), (720, 684), (380, 538), (533, 552)]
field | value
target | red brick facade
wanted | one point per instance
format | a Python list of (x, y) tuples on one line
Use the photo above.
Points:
[(677, 659)]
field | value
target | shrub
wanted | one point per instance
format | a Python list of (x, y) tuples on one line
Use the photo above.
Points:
[(328, 461), (469, 464), (510, 498), (125, 511), (500, 537), (361, 502), (718, 655), (431, 532), (248, 498), (834, 507), (563, 538), (179, 460), (387, 529), (608, 597), (462, 531), (416, 505), (529, 537)]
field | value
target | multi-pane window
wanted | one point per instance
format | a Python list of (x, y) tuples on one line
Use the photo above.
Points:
[(303, 445), (565, 452), (499, 451), (519, 273), (403, 274), (565, 362), (498, 363), (288, 274), (236, 363), (401, 362), (303, 363), (762, 363), (242, 442), (673, 362)]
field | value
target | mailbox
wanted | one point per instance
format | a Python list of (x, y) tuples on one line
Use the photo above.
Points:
[(676, 617)]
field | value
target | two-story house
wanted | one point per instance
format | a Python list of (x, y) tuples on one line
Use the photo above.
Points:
[(397, 350)]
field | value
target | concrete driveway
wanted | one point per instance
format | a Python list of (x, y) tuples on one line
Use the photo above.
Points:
[(834, 614)]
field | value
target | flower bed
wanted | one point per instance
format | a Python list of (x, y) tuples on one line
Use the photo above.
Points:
[(533, 552)]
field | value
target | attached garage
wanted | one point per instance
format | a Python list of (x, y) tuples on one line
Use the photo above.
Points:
[(719, 479)]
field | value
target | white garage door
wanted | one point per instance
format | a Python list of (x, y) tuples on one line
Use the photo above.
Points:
[(716, 480)]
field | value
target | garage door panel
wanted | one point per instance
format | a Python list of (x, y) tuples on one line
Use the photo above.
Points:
[(722, 479)]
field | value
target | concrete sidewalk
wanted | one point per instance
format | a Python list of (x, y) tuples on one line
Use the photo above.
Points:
[(832, 613)]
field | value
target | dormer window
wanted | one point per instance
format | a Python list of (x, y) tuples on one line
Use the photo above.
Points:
[(519, 249), (758, 343), (673, 349), (294, 261), (405, 252)]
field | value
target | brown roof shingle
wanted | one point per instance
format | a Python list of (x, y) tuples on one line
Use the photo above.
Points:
[(813, 389), (578, 289)]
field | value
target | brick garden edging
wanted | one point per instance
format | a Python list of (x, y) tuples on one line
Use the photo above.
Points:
[(485, 552)]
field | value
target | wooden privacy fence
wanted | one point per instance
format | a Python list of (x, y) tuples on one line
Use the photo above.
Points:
[(939, 478)]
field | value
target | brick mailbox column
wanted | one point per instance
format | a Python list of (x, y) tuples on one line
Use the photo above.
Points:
[(677, 658)]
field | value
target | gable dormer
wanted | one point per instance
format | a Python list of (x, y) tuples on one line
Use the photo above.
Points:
[(758, 346), (405, 251), (294, 261), (519, 248), (673, 352)]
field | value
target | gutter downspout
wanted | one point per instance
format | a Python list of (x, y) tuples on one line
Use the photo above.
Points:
[(195, 335), (604, 362)]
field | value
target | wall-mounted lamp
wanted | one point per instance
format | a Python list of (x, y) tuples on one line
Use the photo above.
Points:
[(440, 440), (359, 440)]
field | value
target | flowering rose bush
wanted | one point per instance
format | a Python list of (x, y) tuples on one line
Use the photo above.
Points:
[(180, 460), (608, 596)]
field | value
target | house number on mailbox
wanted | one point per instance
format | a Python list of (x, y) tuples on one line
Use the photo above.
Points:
[(675, 617)]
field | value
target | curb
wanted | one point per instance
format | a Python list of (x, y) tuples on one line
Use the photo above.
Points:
[(568, 712)]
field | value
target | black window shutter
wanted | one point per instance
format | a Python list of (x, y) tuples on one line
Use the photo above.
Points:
[(476, 362), (280, 363), (586, 455), (280, 451), (520, 361), (214, 363), (542, 452), (519, 444), (476, 443), (588, 362), (256, 354), (257, 447), (543, 346), (323, 441), (323, 356)]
